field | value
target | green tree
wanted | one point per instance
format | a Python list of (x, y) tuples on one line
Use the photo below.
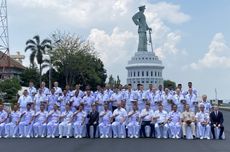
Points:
[(30, 74), (38, 49), (77, 60), (10, 87), (169, 84)]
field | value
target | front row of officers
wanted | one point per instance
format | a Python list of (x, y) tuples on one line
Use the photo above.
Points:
[(108, 124)]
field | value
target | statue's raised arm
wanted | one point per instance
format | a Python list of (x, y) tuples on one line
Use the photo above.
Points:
[(140, 20)]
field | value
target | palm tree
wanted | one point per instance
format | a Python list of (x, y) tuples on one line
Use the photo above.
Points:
[(38, 49)]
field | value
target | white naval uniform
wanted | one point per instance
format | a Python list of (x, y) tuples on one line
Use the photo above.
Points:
[(53, 122), (23, 101), (177, 101), (11, 128), (151, 96), (45, 91), (58, 91), (88, 101), (3, 117), (101, 98), (76, 100), (167, 106), (118, 125), (191, 100), (129, 98), (25, 126), (134, 124), (141, 99), (39, 98), (194, 91), (65, 126), (105, 123), (52, 100), (174, 123), (32, 91), (207, 106), (162, 119), (81, 94), (39, 125), (79, 123), (115, 98), (203, 130), (63, 100)]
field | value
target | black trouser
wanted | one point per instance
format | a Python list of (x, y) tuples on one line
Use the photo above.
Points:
[(147, 123), (213, 131), (94, 129)]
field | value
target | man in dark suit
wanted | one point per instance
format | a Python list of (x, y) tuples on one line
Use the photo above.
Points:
[(217, 119), (93, 117)]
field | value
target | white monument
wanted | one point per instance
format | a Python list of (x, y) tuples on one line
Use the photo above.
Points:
[(144, 67)]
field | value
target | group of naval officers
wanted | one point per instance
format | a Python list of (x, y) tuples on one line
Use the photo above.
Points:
[(121, 112)]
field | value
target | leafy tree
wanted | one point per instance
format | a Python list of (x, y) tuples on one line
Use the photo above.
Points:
[(38, 49), (112, 81), (30, 74), (10, 87), (77, 60), (169, 84)]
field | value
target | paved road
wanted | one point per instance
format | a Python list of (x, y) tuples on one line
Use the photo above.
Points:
[(118, 145)]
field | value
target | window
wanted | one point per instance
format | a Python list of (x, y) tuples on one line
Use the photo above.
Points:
[(130, 74), (138, 73), (134, 73), (151, 73), (143, 82), (147, 73), (158, 74), (147, 81), (143, 73), (155, 73)]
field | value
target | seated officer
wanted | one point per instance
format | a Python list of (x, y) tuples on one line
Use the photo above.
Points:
[(93, 117), (188, 119), (203, 126), (174, 122), (217, 119), (118, 125), (104, 126), (146, 117), (160, 117)]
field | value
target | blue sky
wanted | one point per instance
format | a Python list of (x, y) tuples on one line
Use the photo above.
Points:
[(190, 36)]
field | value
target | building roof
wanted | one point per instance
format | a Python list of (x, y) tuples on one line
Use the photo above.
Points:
[(6, 62)]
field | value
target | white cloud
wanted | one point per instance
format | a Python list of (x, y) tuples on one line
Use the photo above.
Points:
[(218, 55)]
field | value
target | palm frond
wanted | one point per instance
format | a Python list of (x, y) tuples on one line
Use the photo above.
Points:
[(46, 42), (30, 47), (31, 42), (37, 39)]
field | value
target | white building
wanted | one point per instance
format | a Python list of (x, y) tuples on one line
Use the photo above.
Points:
[(145, 68)]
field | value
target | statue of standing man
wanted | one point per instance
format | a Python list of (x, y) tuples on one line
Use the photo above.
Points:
[(140, 20)]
